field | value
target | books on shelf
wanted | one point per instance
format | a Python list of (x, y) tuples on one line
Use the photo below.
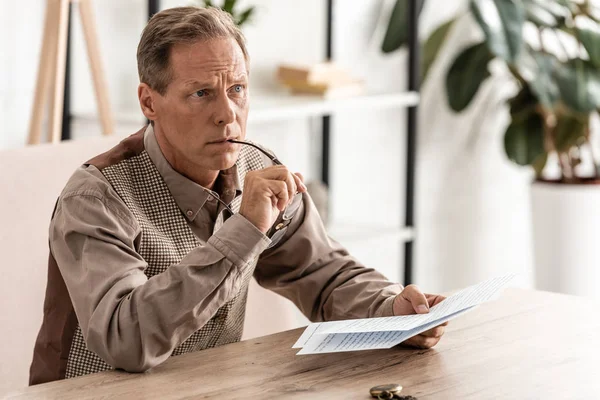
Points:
[(315, 73), (329, 91), (326, 80)]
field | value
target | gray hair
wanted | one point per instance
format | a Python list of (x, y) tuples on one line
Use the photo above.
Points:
[(180, 25)]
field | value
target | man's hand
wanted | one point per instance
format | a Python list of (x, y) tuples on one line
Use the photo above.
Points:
[(412, 301), (267, 192)]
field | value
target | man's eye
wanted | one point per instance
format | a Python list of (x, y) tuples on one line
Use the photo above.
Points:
[(238, 88), (201, 93)]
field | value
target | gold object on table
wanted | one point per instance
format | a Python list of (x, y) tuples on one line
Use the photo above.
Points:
[(387, 392)]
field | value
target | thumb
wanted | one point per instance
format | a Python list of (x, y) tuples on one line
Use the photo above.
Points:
[(417, 299)]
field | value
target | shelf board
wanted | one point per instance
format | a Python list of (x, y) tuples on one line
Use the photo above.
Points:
[(282, 106), (352, 233), (267, 108)]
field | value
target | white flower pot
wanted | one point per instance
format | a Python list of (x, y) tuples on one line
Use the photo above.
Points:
[(566, 238)]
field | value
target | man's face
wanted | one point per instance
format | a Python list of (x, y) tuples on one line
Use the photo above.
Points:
[(205, 104)]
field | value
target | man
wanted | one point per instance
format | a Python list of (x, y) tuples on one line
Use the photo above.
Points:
[(153, 243)]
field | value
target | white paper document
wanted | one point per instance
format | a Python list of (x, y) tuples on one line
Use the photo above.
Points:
[(387, 332)]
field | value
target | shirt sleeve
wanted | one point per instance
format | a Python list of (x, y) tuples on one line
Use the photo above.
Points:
[(320, 277), (130, 321)]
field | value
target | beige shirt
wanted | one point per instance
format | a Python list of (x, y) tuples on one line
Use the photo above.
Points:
[(93, 238)]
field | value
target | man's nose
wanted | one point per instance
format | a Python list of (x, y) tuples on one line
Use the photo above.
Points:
[(224, 112)]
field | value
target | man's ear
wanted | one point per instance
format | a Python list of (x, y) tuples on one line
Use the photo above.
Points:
[(147, 99)]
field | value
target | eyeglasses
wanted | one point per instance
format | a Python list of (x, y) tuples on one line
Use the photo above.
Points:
[(290, 210), (271, 156)]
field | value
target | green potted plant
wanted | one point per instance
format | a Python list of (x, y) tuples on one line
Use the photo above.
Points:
[(551, 50), (230, 6)]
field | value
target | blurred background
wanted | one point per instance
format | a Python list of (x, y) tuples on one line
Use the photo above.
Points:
[(472, 205), (505, 175)]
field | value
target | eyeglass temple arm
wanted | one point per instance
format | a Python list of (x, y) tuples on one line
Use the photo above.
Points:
[(271, 157)]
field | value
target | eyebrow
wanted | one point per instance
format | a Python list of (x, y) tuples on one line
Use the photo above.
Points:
[(197, 83)]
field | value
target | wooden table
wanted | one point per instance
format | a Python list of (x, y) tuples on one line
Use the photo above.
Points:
[(526, 345)]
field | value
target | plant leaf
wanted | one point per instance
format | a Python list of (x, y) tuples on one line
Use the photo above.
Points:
[(396, 34), (539, 164), (539, 15), (569, 5), (502, 23), (208, 3), (569, 132), (245, 16), (433, 45), (579, 84), (524, 140), (557, 9), (229, 5), (466, 74), (543, 85), (523, 100), (591, 41), (593, 12)]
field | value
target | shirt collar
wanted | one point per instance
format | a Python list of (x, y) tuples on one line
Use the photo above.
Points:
[(189, 196)]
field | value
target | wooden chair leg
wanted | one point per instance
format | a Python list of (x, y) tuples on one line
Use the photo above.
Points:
[(52, 68), (44, 74), (59, 72), (93, 50)]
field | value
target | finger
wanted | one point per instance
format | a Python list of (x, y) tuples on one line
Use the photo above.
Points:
[(434, 299), (421, 342), (436, 332), (278, 172), (281, 173), (292, 186), (417, 299), (279, 192), (301, 187), (428, 342)]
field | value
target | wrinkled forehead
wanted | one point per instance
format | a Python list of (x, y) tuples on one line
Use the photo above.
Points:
[(206, 58)]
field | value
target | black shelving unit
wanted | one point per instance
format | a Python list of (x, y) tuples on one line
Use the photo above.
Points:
[(411, 134), (66, 117), (153, 7), (326, 130)]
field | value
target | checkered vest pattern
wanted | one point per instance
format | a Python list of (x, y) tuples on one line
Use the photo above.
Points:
[(166, 238)]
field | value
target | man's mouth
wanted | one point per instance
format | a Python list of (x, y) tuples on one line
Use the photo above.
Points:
[(221, 141)]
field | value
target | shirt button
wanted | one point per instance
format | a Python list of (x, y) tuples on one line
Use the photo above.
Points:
[(189, 213), (210, 198)]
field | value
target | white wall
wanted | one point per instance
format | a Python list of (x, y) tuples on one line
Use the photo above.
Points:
[(20, 38), (472, 206)]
